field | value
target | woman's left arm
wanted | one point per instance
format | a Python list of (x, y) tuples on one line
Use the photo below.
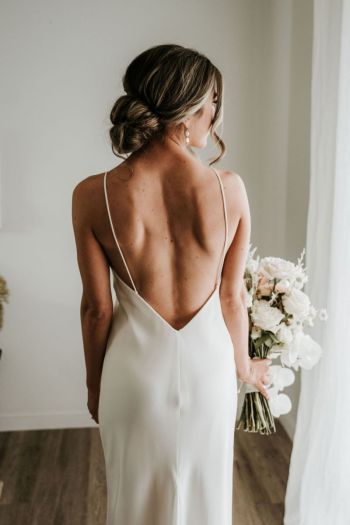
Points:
[(96, 308)]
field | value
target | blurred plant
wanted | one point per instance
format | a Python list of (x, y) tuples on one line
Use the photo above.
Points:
[(4, 294)]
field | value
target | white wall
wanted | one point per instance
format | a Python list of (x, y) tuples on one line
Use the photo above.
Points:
[(62, 65), (284, 139)]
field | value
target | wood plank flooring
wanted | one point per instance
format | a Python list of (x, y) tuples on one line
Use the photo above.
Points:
[(57, 477)]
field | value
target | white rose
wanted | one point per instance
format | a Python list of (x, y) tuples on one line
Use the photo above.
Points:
[(284, 334), (277, 268), (255, 332), (265, 316), (297, 303)]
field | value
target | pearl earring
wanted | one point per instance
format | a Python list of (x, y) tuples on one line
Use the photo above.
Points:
[(187, 136)]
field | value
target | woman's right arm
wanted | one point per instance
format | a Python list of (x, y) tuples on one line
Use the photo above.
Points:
[(233, 290)]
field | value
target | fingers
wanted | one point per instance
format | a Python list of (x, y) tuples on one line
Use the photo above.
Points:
[(267, 371), (262, 385), (265, 383), (265, 375), (263, 391), (262, 377)]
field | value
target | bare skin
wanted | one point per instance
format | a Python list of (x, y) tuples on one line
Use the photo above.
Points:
[(168, 218)]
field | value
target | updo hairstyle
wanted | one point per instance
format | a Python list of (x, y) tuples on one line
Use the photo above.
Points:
[(163, 85)]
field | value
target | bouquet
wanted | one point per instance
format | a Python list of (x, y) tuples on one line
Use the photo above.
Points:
[(278, 312)]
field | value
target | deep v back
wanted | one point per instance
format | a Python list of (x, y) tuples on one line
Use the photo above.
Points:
[(167, 407), (134, 290)]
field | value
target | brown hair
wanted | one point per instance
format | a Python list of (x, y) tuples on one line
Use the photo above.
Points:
[(164, 85)]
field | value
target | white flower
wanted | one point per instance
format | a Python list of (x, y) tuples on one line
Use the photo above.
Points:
[(283, 286), (296, 303), (277, 268), (303, 351), (255, 332), (323, 314), (309, 352), (282, 270), (300, 278), (279, 404), (284, 334), (310, 318), (289, 353), (280, 376), (265, 316), (295, 325)]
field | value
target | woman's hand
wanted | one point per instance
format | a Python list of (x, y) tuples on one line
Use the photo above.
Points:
[(92, 404), (258, 375)]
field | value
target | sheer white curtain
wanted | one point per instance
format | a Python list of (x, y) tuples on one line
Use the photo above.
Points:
[(318, 490)]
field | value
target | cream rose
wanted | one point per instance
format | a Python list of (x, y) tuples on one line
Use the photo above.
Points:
[(297, 303), (265, 316)]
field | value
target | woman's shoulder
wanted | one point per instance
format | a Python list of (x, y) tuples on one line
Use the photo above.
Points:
[(235, 189), (231, 180), (89, 183), (230, 175)]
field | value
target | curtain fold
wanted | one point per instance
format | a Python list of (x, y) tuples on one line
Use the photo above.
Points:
[(318, 489)]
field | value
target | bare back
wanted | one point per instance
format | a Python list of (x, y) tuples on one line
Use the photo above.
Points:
[(170, 227)]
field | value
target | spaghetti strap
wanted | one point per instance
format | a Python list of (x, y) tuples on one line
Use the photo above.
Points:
[(222, 258), (218, 277), (153, 405), (114, 235)]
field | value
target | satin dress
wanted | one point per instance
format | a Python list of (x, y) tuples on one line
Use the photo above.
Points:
[(167, 411)]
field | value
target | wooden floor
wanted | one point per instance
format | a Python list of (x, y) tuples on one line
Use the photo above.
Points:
[(56, 477)]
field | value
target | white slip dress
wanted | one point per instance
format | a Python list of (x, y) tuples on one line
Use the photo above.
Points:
[(167, 411)]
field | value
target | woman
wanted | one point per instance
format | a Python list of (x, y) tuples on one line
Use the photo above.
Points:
[(162, 364)]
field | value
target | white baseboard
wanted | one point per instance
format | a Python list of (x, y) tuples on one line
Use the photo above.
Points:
[(59, 420), (45, 421)]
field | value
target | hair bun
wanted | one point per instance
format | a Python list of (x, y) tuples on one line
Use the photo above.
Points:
[(134, 124), (163, 87)]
